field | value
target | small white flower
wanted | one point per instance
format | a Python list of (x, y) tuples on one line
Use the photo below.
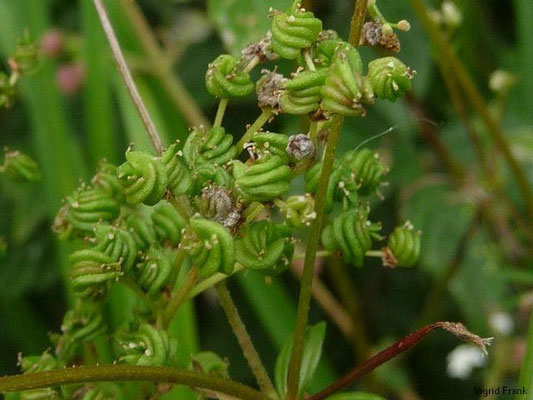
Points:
[(502, 323), (463, 359)]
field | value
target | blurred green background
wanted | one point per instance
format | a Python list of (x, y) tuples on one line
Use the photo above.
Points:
[(476, 249)]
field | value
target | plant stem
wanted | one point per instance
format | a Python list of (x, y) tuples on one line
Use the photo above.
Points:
[(115, 373), (358, 20), (310, 257), (173, 85), (396, 349), (244, 339), (329, 304), (220, 112), (180, 296), (126, 75), (472, 92), (212, 281), (255, 127)]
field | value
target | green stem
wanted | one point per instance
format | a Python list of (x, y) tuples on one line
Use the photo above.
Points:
[(358, 20), (212, 281), (255, 127), (244, 339), (220, 112), (310, 258), (104, 373), (172, 84), (180, 296), (306, 284), (477, 101)]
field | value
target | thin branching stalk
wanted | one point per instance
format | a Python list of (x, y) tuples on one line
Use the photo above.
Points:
[(398, 348), (314, 233), (220, 112), (329, 304), (126, 75), (255, 127), (118, 373), (180, 296), (476, 99), (172, 84), (244, 339), (309, 262)]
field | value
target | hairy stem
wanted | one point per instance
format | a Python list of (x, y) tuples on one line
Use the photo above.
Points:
[(119, 373), (309, 262), (255, 127), (172, 84), (126, 76), (244, 339), (476, 99), (396, 349), (358, 20)]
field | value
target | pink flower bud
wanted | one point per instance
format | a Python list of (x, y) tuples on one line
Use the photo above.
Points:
[(52, 43), (70, 78)]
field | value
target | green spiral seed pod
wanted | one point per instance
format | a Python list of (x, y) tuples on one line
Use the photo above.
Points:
[(143, 178), (104, 391), (210, 363), (404, 246), (148, 346), (299, 211), (211, 247), (367, 168), (142, 230), (213, 146), (351, 234), (32, 364), (389, 77), (302, 93), (341, 186), (325, 48), (89, 206), (345, 88), (179, 177), (168, 223), (153, 273), (225, 80), (93, 273), (19, 166), (271, 143), (294, 31), (106, 179), (81, 324), (118, 243), (263, 179), (265, 247), (210, 174)]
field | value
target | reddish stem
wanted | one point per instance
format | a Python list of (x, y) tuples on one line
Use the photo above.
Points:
[(396, 349)]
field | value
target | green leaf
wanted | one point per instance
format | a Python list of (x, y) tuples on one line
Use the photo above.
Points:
[(240, 23), (355, 396), (314, 339)]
